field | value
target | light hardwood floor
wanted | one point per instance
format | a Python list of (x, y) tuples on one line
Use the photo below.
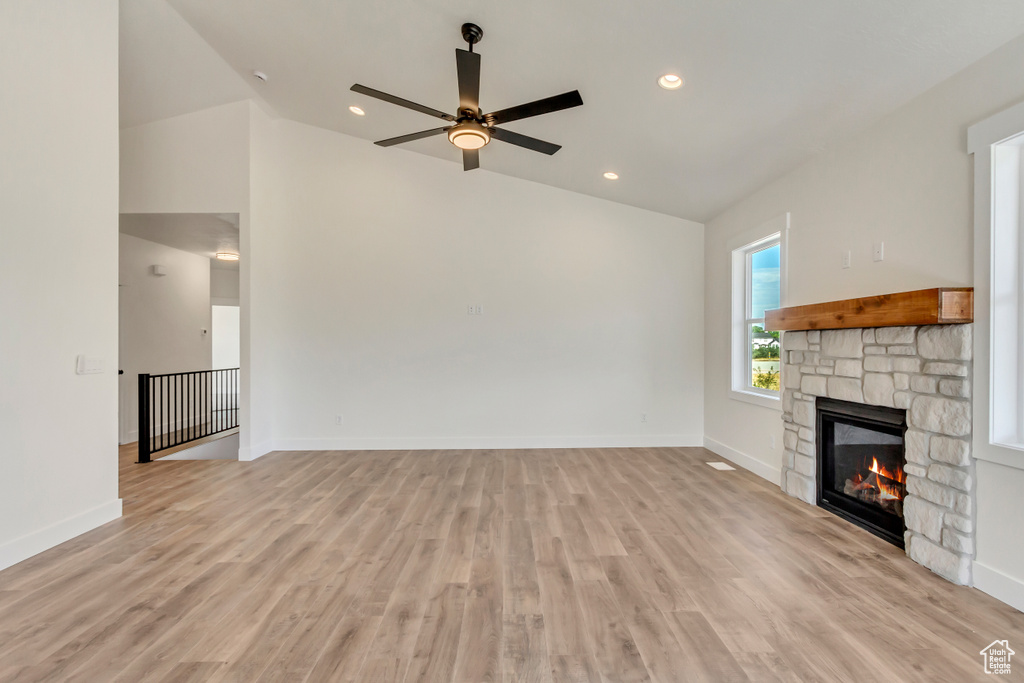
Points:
[(547, 565)]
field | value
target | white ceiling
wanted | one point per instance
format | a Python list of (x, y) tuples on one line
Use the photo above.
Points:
[(167, 69), (204, 234), (768, 84)]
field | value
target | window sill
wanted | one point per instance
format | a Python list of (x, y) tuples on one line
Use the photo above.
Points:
[(757, 399), (1007, 455)]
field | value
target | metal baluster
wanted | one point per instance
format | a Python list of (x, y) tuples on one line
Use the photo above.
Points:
[(144, 418)]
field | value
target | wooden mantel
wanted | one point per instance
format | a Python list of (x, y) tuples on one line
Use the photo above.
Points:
[(940, 306)]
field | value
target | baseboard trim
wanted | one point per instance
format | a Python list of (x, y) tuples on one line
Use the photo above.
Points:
[(486, 442), (249, 453), (1000, 586), (13, 552), (747, 462)]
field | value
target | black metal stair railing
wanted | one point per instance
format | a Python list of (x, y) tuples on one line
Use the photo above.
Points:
[(180, 407)]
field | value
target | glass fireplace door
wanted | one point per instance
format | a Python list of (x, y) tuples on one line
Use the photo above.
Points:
[(860, 465)]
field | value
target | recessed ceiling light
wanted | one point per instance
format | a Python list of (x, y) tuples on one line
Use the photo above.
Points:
[(670, 82), (357, 111), (260, 76), (227, 256), (611, 176)]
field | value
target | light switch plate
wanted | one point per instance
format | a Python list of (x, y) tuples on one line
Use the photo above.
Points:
[(88, 365)]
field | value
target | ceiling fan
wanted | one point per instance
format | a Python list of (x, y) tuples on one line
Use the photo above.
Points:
[(471, 129)]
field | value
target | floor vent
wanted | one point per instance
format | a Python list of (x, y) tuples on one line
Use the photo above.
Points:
[(721, 466)]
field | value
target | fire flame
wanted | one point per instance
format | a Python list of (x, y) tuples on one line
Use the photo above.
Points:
[(887, 483), (888, 491)]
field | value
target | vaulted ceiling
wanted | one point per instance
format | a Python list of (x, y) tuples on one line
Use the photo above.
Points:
[(768, 84)]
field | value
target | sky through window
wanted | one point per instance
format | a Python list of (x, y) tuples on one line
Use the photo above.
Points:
[(764, 280)]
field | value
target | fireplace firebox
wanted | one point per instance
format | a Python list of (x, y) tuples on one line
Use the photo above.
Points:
[(860, 465)]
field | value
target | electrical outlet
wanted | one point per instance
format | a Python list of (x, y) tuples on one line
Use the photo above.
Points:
[(471, 310), (339, 419), (479, 310), (643, 417), (847, 258), (878, 252)]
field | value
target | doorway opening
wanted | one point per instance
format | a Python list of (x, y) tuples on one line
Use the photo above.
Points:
[(178, 328)]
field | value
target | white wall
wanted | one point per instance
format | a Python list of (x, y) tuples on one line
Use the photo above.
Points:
[(364, 261), (999, 566), (907, 181), (226, 340), (257, 398), (194, 163), (224, 286), (360, 262), (161, 317), (58, 209)]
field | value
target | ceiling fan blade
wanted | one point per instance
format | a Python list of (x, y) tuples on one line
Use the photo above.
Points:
[(370, 92), (545, 106), (470, 159), (411, 136), (468, 65), (524, 141)]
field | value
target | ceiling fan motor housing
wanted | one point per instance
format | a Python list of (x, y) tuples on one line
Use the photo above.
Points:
[(472, 33)]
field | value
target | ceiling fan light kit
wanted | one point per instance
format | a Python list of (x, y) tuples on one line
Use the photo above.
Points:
[(469, 135), (471, 129)]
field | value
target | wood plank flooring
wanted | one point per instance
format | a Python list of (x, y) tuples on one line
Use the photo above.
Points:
[(549, 566)]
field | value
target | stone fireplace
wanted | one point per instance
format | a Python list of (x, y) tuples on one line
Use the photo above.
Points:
[(924, 370)]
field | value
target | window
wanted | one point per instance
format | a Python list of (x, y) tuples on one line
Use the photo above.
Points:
[(1007, 377), (998, 147), (762, 294), (757, 287)]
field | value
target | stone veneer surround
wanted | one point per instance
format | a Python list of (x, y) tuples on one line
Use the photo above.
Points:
[(925, 370)]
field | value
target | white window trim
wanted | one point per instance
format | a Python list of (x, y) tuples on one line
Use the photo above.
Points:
[(774, 230), (989, 276)]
